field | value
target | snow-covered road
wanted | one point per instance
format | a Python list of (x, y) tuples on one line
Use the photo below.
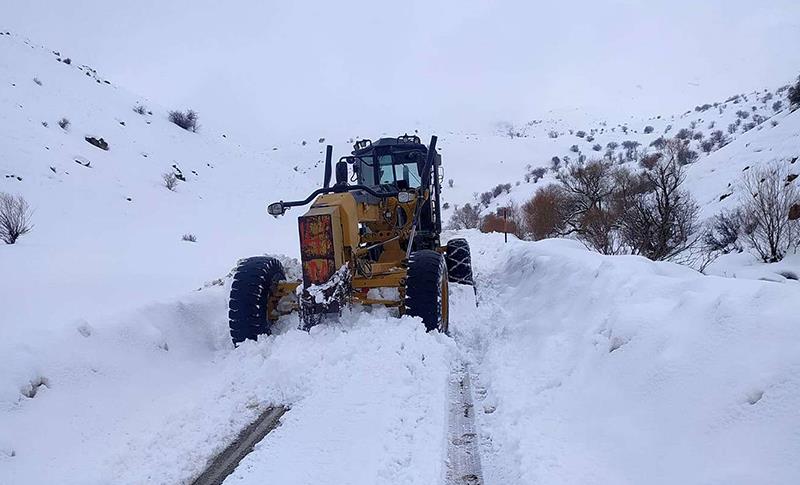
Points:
[(585, 369)]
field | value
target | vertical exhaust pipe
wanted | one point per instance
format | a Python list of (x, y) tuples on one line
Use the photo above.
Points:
[(328, 168), (430, 159)]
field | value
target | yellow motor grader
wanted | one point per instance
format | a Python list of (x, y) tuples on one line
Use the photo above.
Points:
[(371, 238)]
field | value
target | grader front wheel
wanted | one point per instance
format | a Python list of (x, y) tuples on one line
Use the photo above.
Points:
[(426, 291), (254, 282)]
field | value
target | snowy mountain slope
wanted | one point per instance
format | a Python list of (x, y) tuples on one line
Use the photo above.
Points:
[(621, 370), (509, 154), (107, 233)]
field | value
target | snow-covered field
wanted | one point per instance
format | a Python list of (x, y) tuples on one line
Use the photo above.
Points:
[(116, 364)]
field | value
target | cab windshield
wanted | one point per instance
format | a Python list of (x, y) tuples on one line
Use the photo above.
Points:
[(388, 169)]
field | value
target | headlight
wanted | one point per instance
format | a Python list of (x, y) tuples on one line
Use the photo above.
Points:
[(404, 197), (276, 209)]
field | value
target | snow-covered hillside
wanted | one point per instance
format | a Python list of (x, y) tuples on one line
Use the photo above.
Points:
[(752, 129), (117, 365)]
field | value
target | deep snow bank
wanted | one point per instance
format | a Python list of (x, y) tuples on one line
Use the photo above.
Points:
[(621, 370), (151, 395)]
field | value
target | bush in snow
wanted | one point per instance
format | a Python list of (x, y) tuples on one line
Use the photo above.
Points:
[(63, 123), (37, 81), (723, 232), (552, 134), (793, 95), (546, 213), (718, 138), (631, 149), (140, 109), (767, 201), (15, 217), (535, 174), (189, 237), (450, 183), (504, 219), (777, 105), (170, 180), (589, 188), (661, 222), (465, 217), (187, 120), (648, 129)]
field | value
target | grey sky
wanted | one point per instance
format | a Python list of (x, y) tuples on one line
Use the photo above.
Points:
[(285, 67)]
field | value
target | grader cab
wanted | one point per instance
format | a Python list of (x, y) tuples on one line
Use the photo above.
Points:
[(375, 241)]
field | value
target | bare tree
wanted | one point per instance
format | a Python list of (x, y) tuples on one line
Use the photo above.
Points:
[(170, 180), (768, 197), (466, 217), (15, 217), (662, 224)]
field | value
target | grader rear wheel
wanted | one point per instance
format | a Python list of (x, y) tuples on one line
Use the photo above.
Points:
[(426, 291), (459, 262)]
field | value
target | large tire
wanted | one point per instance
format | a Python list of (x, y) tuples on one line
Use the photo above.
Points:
[(459, 262), (254, 281), (426, 289)]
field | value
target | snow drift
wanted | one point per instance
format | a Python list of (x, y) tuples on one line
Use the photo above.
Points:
[(621, 370)]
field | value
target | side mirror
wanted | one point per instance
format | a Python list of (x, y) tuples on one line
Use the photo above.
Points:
[(276, 209), (341, 172)]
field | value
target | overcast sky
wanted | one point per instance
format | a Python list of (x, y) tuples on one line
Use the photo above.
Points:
[(286, 67)]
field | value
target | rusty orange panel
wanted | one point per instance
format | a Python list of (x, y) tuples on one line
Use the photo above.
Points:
[(317, 248)]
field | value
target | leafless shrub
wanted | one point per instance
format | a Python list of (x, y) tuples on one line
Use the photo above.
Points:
[(650, 161), (767, 201), (37, 81), (170, 180), (589, 188), (504, 219), (545, 214), (661, 223), (15, 217), (140, 109), (450, 183), (793, 95), (189, 237), (723, 232), (63, 123), (631, 149), (187, 120), (465, 217)]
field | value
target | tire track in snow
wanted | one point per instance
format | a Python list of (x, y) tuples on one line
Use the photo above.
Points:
[(226, 462), (463, 457)]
